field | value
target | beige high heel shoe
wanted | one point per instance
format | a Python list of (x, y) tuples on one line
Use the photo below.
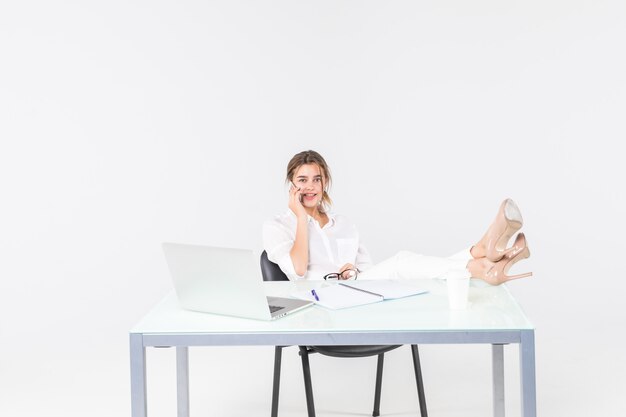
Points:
[(518, 246), (507, 222), (496, 273)]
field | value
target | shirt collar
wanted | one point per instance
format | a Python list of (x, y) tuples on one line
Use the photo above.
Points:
[(331, 217)]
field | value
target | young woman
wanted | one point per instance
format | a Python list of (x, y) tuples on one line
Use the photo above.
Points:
[(310, 242)]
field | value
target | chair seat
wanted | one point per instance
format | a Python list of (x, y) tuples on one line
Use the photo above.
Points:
[(353, 351)]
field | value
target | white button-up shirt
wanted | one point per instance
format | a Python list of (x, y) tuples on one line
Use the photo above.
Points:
[(330, 247)]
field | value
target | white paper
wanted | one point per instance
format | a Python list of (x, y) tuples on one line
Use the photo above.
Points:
[(338, 296), (354, 293), (388, 289)]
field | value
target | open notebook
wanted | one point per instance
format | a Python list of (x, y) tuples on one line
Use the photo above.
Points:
[(355, 293)]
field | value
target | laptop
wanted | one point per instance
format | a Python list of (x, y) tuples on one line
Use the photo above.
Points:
[(223, 281)]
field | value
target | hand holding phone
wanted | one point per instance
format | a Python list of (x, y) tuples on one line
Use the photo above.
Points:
[(297, 191), (295, 201)]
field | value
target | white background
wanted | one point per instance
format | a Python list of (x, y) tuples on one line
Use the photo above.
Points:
[(125, 124)]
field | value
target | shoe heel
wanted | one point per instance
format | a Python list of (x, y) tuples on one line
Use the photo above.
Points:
[(497, 274), (525, 275)]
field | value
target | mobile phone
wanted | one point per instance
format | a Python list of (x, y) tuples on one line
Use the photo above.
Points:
[(294, 186)]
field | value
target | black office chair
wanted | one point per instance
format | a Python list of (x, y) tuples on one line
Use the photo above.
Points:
[(272, 272)]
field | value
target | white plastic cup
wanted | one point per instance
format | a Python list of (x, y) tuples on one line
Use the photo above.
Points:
[(457, 281)]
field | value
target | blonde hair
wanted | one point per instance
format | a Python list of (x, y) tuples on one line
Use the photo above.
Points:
[(312, 157)]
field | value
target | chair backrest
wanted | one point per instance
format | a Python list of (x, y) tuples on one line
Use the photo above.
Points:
[(271, 271)]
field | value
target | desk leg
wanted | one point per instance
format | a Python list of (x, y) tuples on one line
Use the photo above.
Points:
[(139, 407), (527, 373), (182, 380), (497, 365)]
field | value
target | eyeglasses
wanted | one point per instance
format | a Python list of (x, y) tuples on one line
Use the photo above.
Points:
[(346, 274)]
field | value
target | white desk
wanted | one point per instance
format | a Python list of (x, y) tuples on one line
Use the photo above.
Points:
[(493, 317)]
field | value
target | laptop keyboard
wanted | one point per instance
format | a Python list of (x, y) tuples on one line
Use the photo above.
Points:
[(274, 309)]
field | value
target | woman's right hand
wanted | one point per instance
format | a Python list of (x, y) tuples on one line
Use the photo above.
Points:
[(295, 205)]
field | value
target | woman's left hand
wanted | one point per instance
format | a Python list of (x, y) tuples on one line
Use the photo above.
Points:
[(343, 269)]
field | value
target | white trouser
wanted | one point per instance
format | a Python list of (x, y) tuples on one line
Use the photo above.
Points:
[(409, 265)]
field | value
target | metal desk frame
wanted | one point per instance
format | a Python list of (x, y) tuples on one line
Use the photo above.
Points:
[(525, 337)]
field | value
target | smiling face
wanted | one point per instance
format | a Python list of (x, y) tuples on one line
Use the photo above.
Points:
[(308, 171), (310, 180)]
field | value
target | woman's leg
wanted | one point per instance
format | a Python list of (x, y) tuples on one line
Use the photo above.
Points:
[(489, 259), (409, 265)]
